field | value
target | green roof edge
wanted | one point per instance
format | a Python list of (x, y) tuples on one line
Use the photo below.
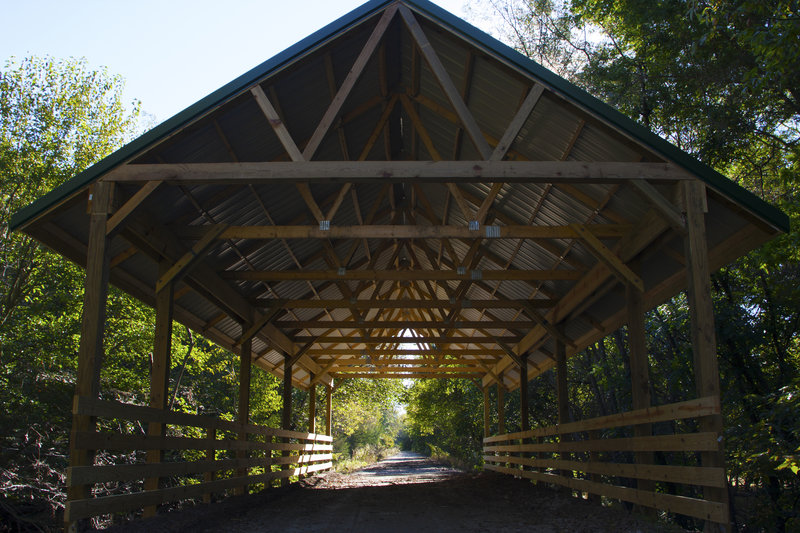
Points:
[(767, 212)]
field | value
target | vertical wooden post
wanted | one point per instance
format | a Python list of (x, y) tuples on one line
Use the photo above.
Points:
[(211, 455), (640, 375), (243, 413), (523, 394), (501, 409), (563, 398), (524, 416), (704, 343), (594, 457), (328, 408), (312, 407), (286, 417), (159, 374), (90, 353), (486, 415)]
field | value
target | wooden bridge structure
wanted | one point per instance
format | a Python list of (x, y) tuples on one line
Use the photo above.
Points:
[(401, 196)]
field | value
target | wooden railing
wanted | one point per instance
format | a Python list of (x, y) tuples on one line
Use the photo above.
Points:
[(212, 460), (596, 463)]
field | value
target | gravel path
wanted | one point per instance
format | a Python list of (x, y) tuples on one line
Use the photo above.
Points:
[(405, 493)]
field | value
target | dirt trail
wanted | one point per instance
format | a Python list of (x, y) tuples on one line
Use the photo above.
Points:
[(406, 493)]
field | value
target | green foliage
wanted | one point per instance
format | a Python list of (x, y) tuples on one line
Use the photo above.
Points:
[(365, 413), (445, 414), (719, 79)]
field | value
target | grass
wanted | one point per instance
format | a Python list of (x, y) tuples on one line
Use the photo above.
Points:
[(362, 457)]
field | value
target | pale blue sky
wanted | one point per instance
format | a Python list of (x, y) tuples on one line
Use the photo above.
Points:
[(170, 52)]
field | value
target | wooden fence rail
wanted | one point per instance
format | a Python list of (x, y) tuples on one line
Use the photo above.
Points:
[(192, 458), (576, 456)]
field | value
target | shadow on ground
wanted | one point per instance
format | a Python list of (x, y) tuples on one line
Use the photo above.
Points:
[(406, 493)]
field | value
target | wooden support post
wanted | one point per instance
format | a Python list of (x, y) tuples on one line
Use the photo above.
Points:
[(523, 394), (640, 375), (486, 412), (501, 409), (312, 407), (563, 398), (286, 415), (90, 353), (211, 455), (328, 408), (524, 416), (594, 457), (704, 344), (159, 374), (243, 414)]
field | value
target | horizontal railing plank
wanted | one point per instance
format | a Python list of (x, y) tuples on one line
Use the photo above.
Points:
[(302, 459), (703, 509), (89, 440), (111, 409), (77, 509), (86, 475), (675, 411), (690, 475), (689, 442)]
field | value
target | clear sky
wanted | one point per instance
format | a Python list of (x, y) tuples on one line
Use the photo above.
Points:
[(170, 52)]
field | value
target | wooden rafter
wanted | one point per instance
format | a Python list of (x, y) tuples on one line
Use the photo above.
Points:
[(349, 82), (399, 171)]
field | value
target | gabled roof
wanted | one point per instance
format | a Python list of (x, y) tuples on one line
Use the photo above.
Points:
[(458, 26), (435, 98)]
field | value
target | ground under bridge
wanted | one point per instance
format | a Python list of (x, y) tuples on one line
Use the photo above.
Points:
[(401, 196)]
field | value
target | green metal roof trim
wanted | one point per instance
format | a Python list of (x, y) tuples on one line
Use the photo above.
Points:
[(769, 213)]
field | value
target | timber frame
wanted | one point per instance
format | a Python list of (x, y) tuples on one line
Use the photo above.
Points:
[(399, 196)]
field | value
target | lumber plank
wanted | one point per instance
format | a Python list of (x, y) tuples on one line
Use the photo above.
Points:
[(112, 409), (349, 82), (277, 124), (688, 475), (704, 509), (662, 413), (689, 442), (399, 275), (209, 238), (398, 171), (112, 441), (131, 205), (86, 508)]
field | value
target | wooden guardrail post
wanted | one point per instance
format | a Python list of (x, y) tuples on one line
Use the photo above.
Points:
[(640, 376), (486, 412), (704, 343), (159, 373), (90, 352), (501, 406), (243, 413), (211, 455), (524, 415), (328, 409), (286, 416), (312, 406), (594, 457), (563, 398)]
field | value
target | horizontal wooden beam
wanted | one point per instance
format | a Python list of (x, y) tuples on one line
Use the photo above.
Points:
[(601, 231), (400, 275), (406, 304), (361, 361), (482, 354), (404, 375), (407, 340), (415, 369), (398, 171), (402, 324)]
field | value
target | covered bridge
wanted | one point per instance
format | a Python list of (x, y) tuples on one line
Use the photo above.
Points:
[(400, 195)]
